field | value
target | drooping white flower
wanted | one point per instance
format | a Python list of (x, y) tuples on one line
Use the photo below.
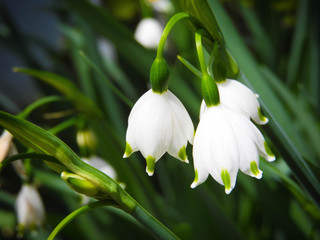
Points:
[(239, 98), (164, 6), (159, 123), (101, 165), (5, 144), (29, 208), (226, 141), (148, 32)]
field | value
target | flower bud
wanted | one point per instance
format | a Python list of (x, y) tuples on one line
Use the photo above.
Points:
[(159, 75), (80, 184), (86, 140)]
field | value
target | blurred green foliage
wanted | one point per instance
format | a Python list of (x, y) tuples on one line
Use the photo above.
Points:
[(276, 44)]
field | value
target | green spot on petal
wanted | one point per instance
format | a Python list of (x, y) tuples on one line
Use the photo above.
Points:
[(182, 153), (128, 150), (196, 176), (268, 150), (225, 176), (262, 118), (254, 168), (150, 165)]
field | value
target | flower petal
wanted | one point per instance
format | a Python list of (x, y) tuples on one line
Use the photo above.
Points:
[(246, 126), (215, 146), (240, 98), (148, 125), (181, 116)]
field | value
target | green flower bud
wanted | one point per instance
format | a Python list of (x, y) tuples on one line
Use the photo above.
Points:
[(159, 75), (80, 184), (210, 91)]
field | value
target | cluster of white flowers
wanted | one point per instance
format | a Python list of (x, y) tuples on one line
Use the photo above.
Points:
[(225, 140)]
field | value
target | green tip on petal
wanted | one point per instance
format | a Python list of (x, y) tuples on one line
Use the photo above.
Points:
[(150, 165), (128, 151), (183, 154), (269, 152), (262, 118), (225, 176), (196, 178), (255, 170)]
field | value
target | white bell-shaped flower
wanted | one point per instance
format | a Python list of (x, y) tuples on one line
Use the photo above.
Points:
[(226, 141), (29, 207), (159, 123), (101, 165), (148, 32), (5, 144), (164, 6), (239, 98)]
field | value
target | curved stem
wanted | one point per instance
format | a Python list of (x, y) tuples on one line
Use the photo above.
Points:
[(77, 213), (212, 56), (27, 156), (26, 112), (62, 126), (167, 30)]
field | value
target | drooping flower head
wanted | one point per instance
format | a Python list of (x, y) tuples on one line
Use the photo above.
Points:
[(239, 98), (158, 123), (29, 207), (226, 141), (5, 144)]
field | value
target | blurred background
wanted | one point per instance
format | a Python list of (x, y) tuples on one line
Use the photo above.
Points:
[(276, 44)]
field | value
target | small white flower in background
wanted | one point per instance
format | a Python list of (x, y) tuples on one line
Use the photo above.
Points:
[(148, 32), (164, 6), (158, 123), (5, 144), (101, 165), (29, 208), (226, 141), (107, 49), (239, 98)]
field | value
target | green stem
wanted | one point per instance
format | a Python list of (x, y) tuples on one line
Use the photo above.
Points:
[(27, 156), (212, 56), (26, 112), (62, 126), (167, 30), (77, 213), (202, 60)]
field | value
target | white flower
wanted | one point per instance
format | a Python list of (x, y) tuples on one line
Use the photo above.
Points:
[(29, 207), (5, 144), (164, 6), (239, 98), (159, 123), (148, 32), (226, 141), (107, 49), (101, 165)]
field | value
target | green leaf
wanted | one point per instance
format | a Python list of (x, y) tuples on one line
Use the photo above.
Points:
[(66, 87), (297, 44)]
